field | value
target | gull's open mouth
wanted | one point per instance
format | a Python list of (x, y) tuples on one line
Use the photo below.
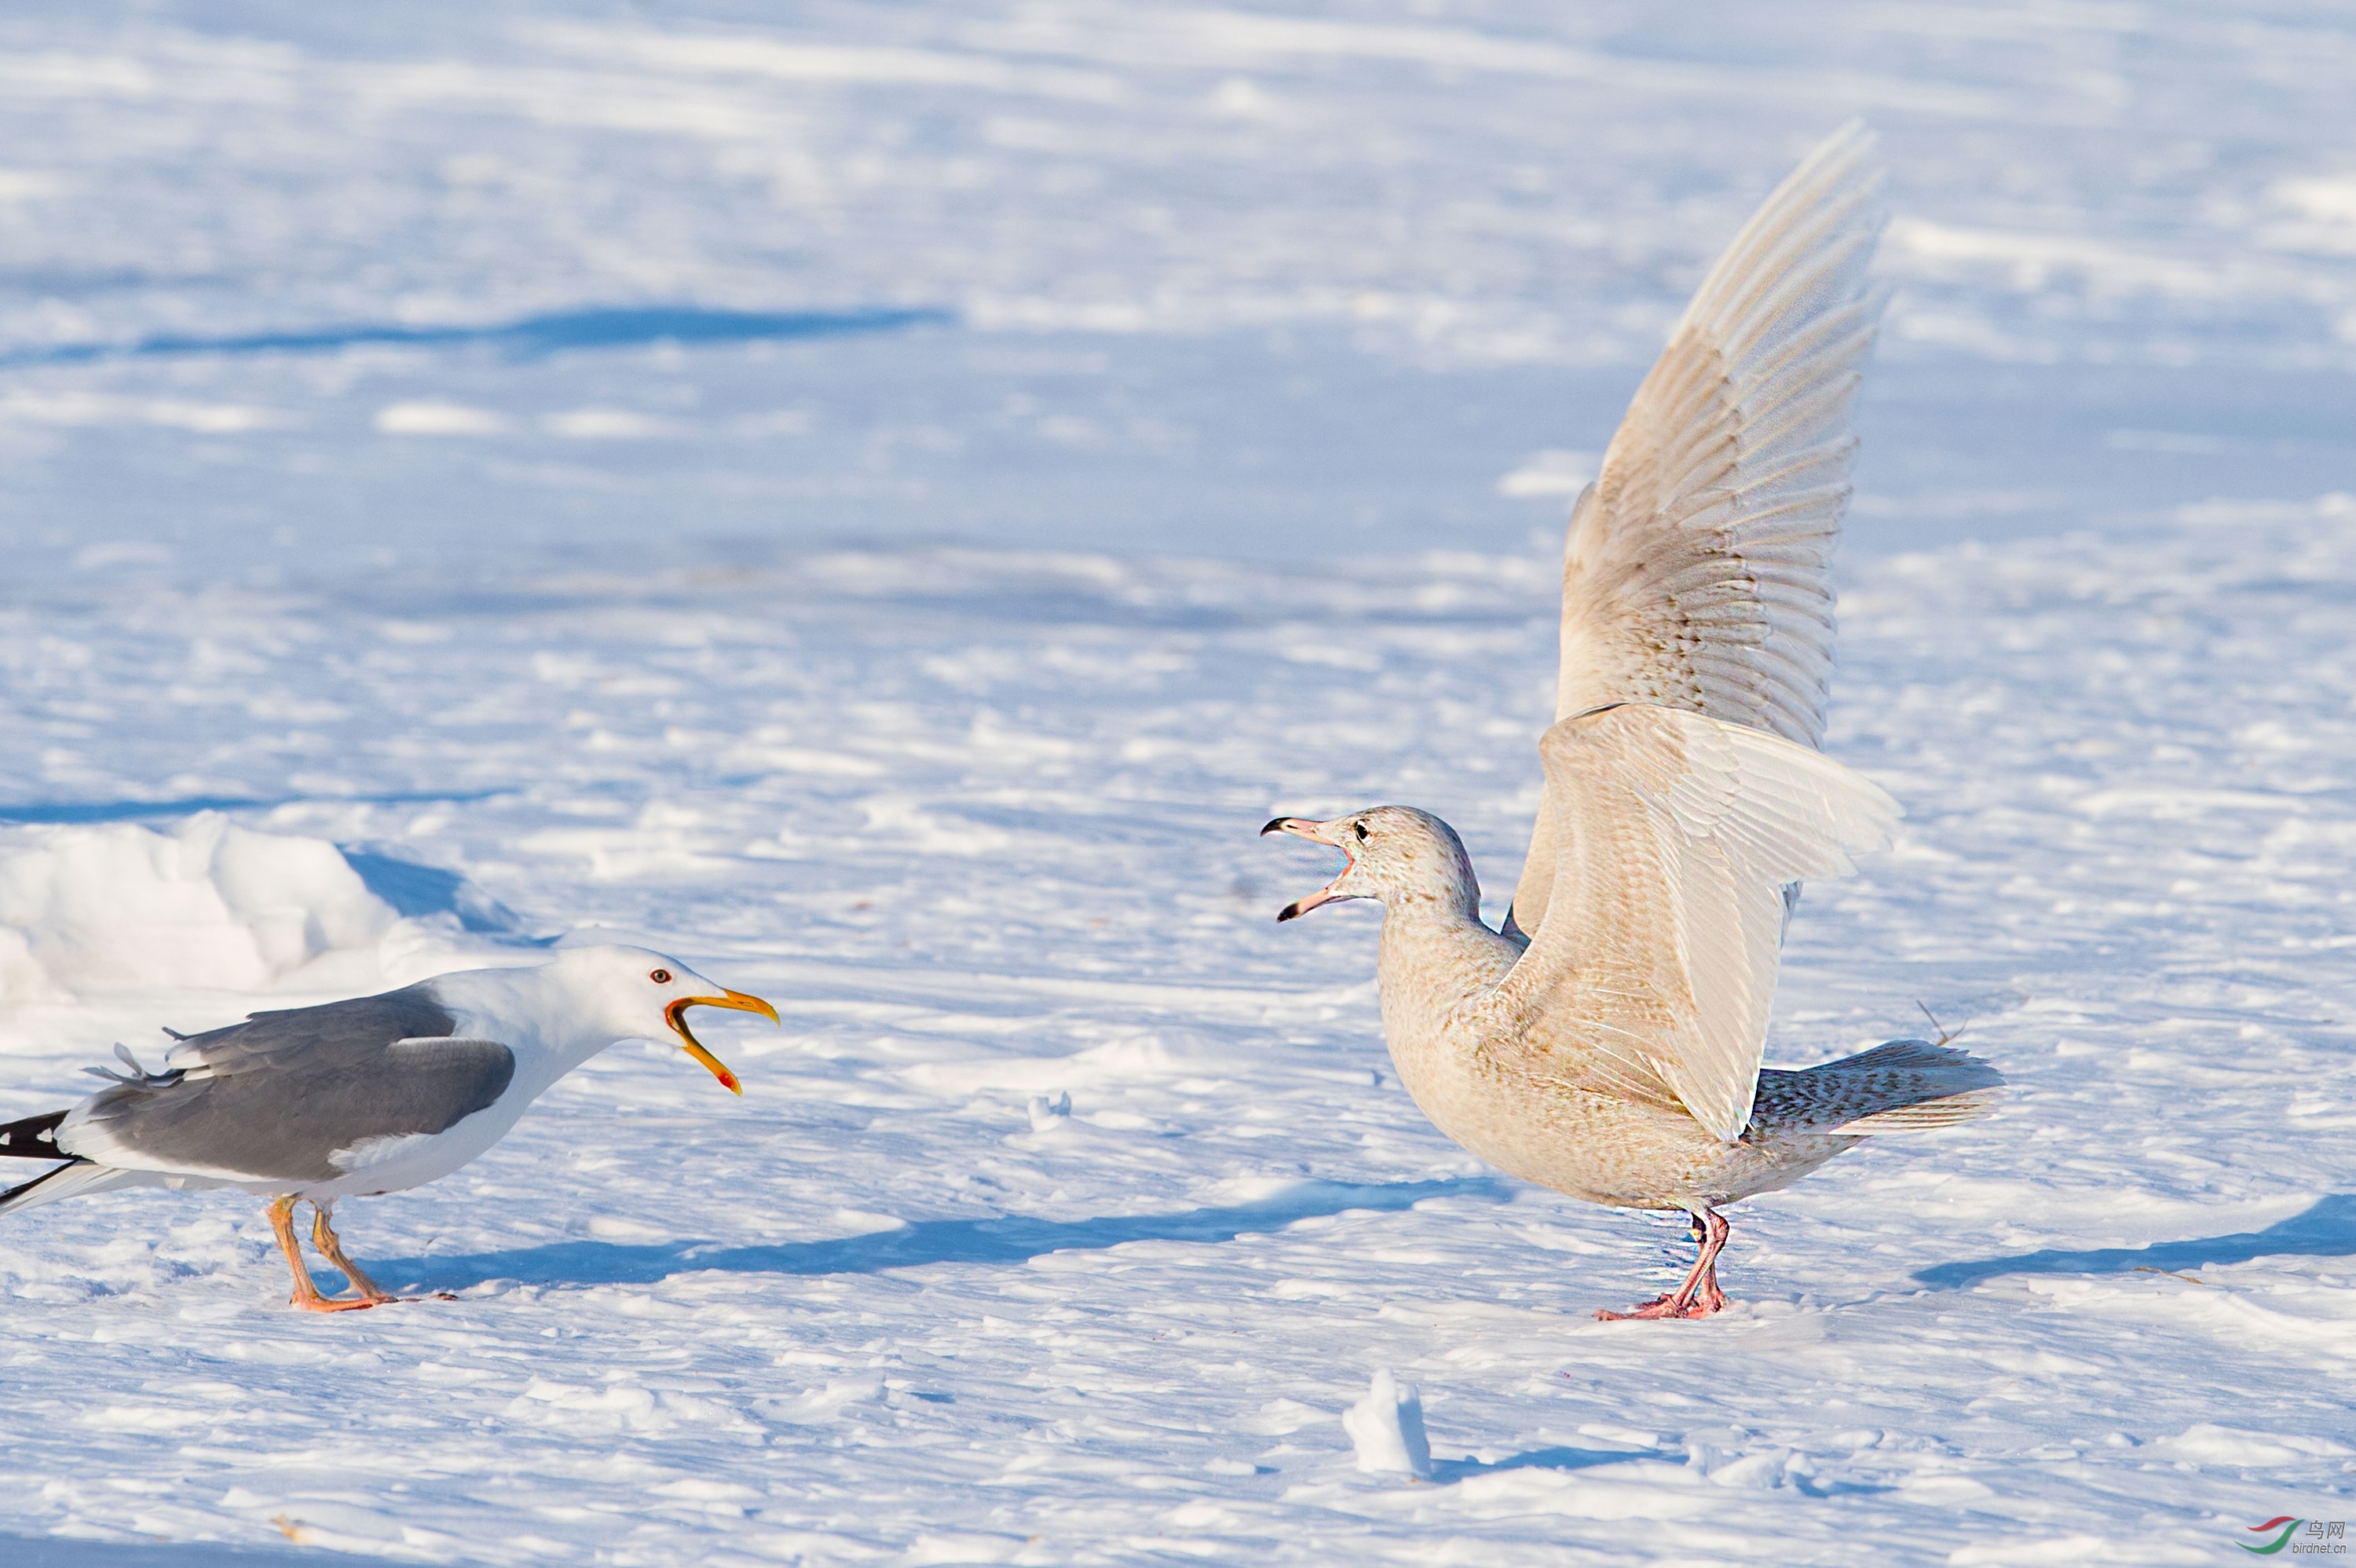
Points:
[(1302, 828), (676, 1016)]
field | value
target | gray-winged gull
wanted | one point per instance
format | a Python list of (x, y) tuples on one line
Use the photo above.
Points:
[(1606, 1041), (371, 1095)]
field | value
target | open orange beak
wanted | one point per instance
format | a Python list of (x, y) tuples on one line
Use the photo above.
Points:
[(676, 1016)]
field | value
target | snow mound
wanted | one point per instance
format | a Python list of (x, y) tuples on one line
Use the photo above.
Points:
[(1387, 1428), (206, 904)]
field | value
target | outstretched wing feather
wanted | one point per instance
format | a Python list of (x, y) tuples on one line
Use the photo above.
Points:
[(1696, 573), (1678, 833)]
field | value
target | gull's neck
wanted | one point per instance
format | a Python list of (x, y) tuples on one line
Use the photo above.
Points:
[(1436, 955), (526, 1010)]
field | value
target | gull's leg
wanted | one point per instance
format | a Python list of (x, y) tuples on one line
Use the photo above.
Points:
[(331, 1247), (307, 1294), (1694, 1229), (323, 1236), (1709, 1298), (1699, 1296)]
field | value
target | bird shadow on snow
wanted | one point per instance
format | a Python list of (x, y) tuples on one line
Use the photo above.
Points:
[(2326, 1229), (1010, 1239)]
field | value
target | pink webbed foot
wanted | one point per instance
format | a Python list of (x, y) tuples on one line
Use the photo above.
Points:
[(1699, 1296), (1663, 1306)]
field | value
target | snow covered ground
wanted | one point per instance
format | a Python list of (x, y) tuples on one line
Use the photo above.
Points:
[(885, 504)]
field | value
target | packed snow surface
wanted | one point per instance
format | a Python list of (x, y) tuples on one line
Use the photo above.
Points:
[(884, 505)]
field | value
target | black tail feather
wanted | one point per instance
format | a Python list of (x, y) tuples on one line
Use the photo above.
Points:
[(36, 1137), (12, 1193)]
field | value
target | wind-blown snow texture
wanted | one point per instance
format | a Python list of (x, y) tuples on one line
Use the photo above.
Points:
[(884, 505)]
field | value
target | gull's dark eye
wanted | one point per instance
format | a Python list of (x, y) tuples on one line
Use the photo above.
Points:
[(660, 977), (1361, 831)]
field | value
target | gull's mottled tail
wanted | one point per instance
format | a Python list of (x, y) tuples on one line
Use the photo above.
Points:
[(1905, 1087)]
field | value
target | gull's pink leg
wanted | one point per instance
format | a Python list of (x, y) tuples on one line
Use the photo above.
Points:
[(1699, 1296), (1709, 1298)]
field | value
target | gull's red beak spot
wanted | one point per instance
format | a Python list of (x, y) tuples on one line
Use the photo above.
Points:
[(676, 1016)]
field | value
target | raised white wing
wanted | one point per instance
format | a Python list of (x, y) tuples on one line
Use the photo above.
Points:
[(1677, 833), (1696, 574)]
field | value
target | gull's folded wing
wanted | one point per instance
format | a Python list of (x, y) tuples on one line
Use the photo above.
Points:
[(1656, 969), (1695, 574), (281, 1095)]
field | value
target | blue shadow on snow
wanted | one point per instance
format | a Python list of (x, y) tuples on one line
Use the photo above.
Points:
[(410, 889), (534, 336), (415, 890), (135, 810), (1560, 1458), (2327, 1230), (1013, 1239), (71, 1551)]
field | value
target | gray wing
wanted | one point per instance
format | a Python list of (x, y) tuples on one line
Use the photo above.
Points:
[(275, 1097), (1697, 573)]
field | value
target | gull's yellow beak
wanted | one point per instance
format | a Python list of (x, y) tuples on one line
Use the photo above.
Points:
[(676, 1016)]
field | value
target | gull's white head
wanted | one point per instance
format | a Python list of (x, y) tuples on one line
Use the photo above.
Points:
[(639, 994), (1397, 855)]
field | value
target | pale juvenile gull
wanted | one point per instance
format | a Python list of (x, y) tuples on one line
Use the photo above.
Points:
[(1607, 1041), (371, 1095)]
